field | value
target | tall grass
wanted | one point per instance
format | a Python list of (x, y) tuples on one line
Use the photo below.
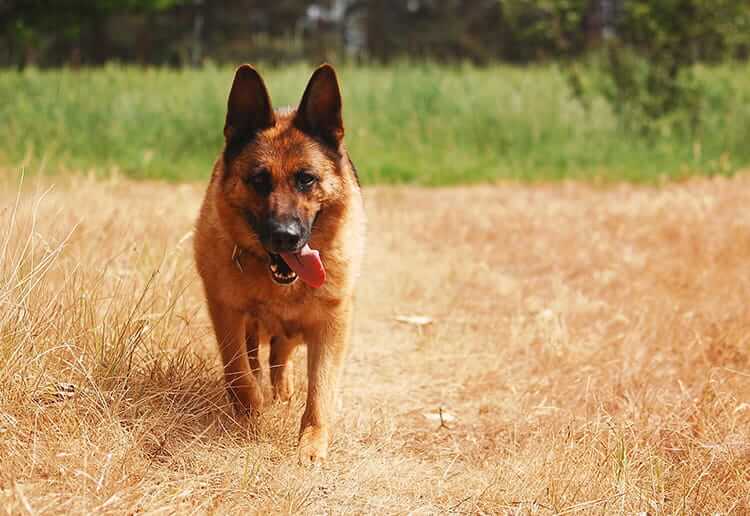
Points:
[(99, 364), (421, 123)]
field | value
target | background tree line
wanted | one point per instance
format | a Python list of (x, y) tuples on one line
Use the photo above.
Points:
[(187, 32)]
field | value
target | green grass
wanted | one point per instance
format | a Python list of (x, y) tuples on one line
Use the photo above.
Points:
[(417, 123)]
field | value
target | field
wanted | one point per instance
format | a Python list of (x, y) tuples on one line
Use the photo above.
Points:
[(587, 353), (409, 123)]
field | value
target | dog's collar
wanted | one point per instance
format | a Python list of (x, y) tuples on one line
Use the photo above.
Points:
[(236, 257), (238, 254)]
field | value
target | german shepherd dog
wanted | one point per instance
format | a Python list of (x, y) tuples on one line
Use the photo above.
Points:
[(278, 245)]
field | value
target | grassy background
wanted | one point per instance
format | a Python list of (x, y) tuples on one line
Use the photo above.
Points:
[(415, 123)]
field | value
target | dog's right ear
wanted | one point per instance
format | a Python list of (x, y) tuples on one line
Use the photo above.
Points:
[(249, 108), (319, 111)]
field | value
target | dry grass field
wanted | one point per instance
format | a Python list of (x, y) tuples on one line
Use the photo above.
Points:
[(589, 349)]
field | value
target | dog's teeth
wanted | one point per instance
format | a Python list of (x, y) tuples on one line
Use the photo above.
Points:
[(282, 277)]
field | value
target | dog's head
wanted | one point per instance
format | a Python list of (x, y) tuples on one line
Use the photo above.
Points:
[(283, 170)]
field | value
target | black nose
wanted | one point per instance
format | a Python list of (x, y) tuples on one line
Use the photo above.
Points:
[(285, 236)]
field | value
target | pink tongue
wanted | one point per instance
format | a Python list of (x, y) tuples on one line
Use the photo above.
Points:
[(306, 263)]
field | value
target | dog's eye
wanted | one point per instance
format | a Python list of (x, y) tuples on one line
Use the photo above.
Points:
[(305, 180), (261, 181)]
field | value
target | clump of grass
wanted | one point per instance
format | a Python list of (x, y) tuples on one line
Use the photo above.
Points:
[(101, 375), (416, 123)]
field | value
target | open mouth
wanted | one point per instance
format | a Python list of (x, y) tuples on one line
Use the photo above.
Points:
[(281, 273), (304, 264)]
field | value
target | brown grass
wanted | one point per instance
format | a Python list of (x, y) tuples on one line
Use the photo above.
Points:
[(593, 346)]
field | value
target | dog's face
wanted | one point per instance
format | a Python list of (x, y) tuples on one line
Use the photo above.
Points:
[(282, 169)]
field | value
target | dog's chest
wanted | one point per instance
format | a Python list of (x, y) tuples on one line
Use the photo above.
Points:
[(280, 317)]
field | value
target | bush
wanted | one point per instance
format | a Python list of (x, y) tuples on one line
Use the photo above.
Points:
[(649, 61)]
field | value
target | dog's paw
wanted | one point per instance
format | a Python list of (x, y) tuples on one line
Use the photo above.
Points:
[(247, 402), (282, 380), (284, 388), (246, 412), (313, 445)]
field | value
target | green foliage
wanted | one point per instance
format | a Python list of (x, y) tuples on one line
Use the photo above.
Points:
[(415, 123), (40, 32), (554, 27), (35, 26), (649, 64), (685, 30)]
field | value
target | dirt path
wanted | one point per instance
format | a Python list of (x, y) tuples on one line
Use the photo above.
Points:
[(588, 349)]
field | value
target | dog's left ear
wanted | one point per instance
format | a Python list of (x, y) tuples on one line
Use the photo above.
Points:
[(319, 111)]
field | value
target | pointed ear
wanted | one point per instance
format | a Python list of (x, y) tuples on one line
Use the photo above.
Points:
[(249, 107), (319, 111)]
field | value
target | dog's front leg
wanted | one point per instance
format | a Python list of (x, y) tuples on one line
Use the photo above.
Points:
[(326, 349), (229, 325)]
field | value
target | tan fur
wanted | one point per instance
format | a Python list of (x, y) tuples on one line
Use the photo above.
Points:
[(245, 303)]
